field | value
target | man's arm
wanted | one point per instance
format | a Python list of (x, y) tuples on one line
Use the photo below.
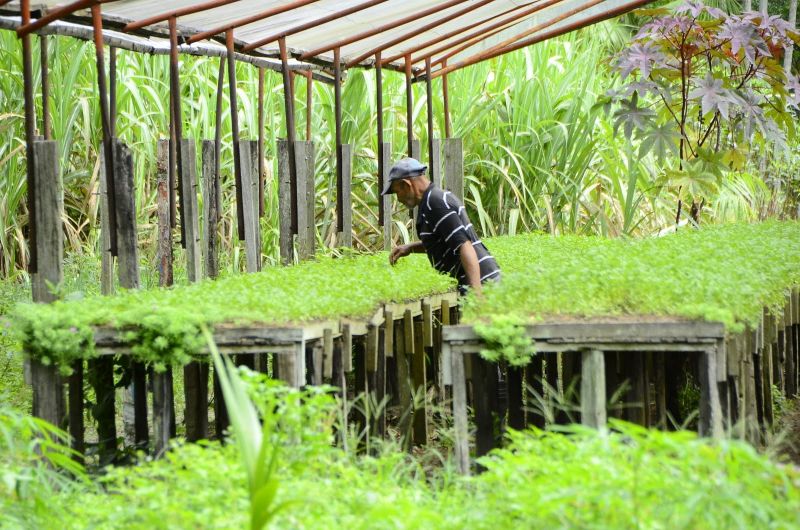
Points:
[(469, 262), (404, 250)]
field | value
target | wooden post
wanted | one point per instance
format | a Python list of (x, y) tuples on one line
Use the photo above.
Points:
[(409, 107), (189, 210), (237, 158), (128, 269), (386, 200), (292, 366), (420, 384), (211, 215), (454, 167), (382, 160), (484, 388), (327, 353), (346, 228), (285, 203), (435, 171), (164, 251), (593, 389), (710, 421), (306, 219), (459, 408), (248, 150), (48, 390), (403, 379), (101, 369), (516, 412), (659, 368)]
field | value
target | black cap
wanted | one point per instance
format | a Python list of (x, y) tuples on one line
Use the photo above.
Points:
[(405, 168)]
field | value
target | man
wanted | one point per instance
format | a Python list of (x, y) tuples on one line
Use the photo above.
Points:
[(444, 229)]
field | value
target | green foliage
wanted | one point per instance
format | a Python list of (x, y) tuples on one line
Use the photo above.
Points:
[(505, 339), (36, 462), (259, 456), (162, 326), (726, 274), (626, 478)]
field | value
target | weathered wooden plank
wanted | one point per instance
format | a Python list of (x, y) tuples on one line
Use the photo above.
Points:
[(454, 167), (248, 152), (632, 332), (516, 412), (403, 357), (372, 349), (164, 254), (710, 421), (327, 353), (285, 203), (345, 236), (306, 219), (420, 384), (388, 336), (461, 441), (416, 150), (593, 389), (211, 213), (128, 268), (427, 325), (435, 171), (106, 258), (291, 366), (127, 241), (347, 348), (48, 390), (162, 412), (447, 376), (190, 213)]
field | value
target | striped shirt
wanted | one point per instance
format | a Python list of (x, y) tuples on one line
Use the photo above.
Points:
[(443, 226)]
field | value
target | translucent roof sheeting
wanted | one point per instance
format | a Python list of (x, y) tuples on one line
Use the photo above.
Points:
[(455, 31)]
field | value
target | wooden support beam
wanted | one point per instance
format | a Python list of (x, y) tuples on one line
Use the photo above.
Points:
[(260, 155), (189, 209), (460, 420), (248, 150), (306, 215), (419, 383), (211, 215), (48, 390), (593, 389), (176, 120), (710, 421)]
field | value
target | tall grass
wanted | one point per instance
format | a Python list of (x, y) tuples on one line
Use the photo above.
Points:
[(538, 154)]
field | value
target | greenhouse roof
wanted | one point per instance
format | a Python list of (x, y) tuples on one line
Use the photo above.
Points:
[(450, 33)]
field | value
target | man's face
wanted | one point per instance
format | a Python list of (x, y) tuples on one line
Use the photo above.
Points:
[(405, 192)]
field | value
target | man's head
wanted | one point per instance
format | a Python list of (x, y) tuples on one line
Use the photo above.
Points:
[(408, 181)]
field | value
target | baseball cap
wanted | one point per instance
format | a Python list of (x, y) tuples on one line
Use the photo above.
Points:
[(405, 168)]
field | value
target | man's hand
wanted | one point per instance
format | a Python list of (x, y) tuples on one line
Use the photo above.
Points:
[(404, 250)]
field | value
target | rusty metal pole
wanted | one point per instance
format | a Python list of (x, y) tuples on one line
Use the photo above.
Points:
[(448, 131), (218, 132), (97, 22), (409, 107), (47, 129), (112, 90), (261, 142), (177, 116), (337, 93), (237, 161), (288, 99), (379, 119), (30, 133), (429, 104)]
